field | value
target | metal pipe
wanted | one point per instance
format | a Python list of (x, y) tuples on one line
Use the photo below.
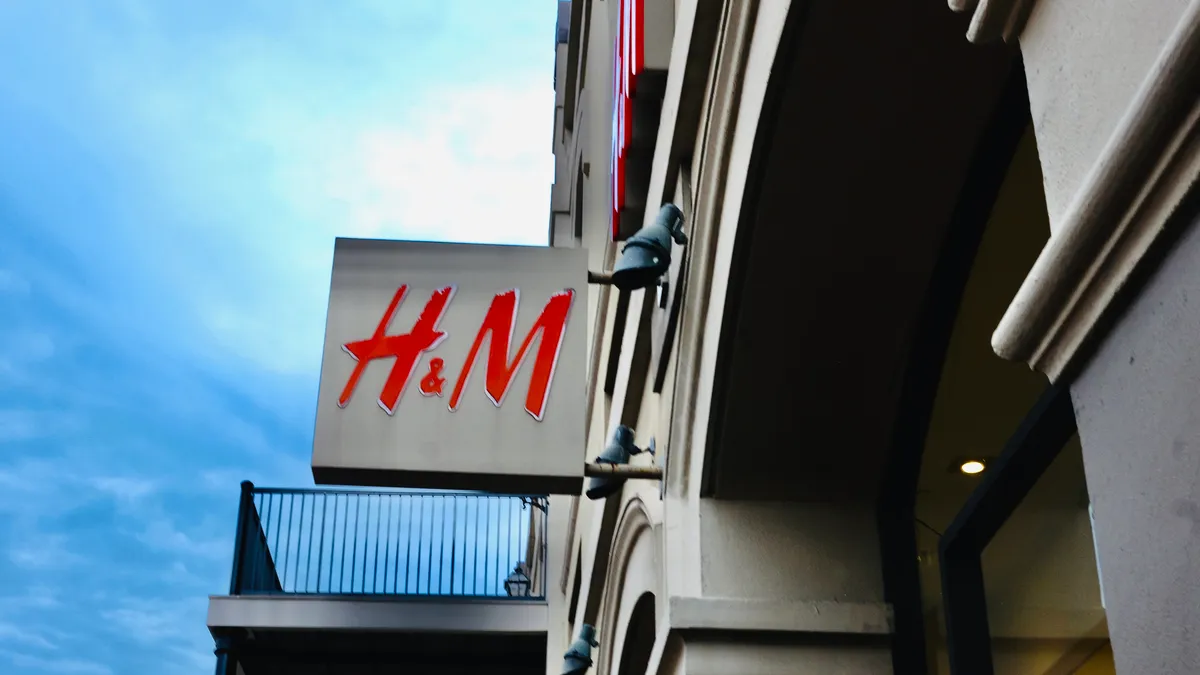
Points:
[(600, 278), (623, 471)]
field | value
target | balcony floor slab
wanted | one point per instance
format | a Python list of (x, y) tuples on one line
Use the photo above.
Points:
[(391, 614)]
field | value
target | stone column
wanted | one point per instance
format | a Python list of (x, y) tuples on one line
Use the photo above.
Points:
[(1137, 402)]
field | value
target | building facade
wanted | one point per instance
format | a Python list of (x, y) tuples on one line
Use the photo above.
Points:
[(922, 381)]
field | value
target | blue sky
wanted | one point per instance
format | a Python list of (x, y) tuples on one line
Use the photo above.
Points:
[(172, 176)]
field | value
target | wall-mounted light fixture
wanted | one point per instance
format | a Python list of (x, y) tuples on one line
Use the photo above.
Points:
[(646, 256), (611, 469), (578, 658)]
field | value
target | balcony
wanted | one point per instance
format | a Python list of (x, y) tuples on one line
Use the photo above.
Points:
[(352, 579)]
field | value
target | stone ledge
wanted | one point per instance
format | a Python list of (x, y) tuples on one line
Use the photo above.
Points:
[(795, 616)]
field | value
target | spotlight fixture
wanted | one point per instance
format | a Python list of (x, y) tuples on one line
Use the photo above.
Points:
[(615, 455), (578, 658), (646, 256)]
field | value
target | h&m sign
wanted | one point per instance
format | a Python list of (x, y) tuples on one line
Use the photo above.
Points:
[(453, 366)]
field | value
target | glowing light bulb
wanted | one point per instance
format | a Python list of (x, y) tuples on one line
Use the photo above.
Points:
[(972, 466)]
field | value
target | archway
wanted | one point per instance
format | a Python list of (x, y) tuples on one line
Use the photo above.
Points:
[(639, 637)]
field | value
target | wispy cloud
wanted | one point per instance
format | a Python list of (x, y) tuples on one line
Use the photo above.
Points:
[(44, 552), (155, 620), (129, 490), (12, 633), (61, 666)]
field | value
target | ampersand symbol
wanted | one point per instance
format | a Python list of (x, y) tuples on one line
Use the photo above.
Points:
[(432, 383)]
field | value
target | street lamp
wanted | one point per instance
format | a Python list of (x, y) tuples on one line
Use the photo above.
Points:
[(517, 584)]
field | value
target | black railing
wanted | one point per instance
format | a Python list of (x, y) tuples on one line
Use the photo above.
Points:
[(335, 542)]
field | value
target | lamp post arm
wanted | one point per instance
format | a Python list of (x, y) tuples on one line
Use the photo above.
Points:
[(595, 470), (600, 278)]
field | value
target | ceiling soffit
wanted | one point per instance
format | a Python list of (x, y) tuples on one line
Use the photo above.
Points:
[(856, 175)]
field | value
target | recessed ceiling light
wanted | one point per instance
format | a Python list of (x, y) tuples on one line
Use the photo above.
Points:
[(972, 466)]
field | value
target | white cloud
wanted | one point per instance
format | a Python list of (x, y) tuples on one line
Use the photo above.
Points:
[(468, 164), (160, 533), (39, 551), (22, 424), (158, 620), (36, 597), (125, 489), (10, 632), (473, 164), (63, 666)]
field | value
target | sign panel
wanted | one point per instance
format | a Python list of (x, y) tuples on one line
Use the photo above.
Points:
[(453, 366), (628, 60)]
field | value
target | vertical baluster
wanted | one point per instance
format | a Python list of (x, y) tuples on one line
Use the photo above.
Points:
[(299, 544), (312, 516), (354, 540), (434, 533), (542, 525), (509, 563), (378, 524), (497, 573), (507, 505), (321, 545), (454, 536), (401, 527), (502, 547), (433, 543), (265, 576), (411, 501), (252, 542), (487, 539), (366, 541), (287, 544), (442, 544), (514, 521), (476, 548), (263, 541), (387, 547), (278, 527), (345, 530), (420, 537)]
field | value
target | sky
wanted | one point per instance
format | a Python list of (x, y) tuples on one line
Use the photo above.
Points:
[(172, 177)]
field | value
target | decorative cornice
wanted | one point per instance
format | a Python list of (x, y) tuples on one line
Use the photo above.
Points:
[(994, 19), (1149, 165)]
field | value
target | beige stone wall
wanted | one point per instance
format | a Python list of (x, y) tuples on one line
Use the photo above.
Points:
[(637, 542)]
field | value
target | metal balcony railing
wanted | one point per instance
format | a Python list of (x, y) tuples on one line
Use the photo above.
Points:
[(337, 542)]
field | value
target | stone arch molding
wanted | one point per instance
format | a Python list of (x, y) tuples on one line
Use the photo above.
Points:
[(634, 569)]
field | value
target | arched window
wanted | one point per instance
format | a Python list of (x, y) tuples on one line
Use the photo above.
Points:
[(639, 638)]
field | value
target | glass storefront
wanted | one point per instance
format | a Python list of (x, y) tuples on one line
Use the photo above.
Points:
[(1041, 582), (1006, 558)]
